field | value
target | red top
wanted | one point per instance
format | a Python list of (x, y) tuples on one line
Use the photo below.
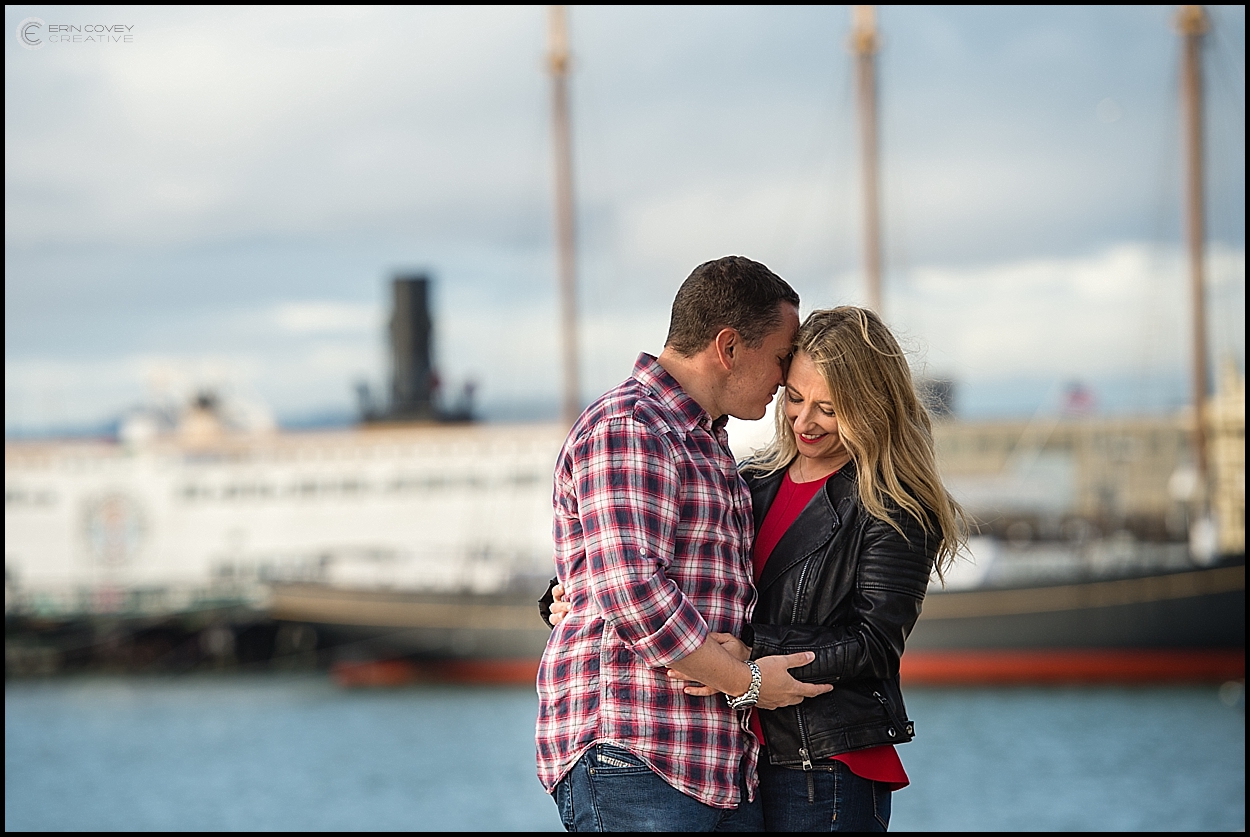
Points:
[(881, 764)]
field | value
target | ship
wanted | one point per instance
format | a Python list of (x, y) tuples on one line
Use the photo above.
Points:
[(1101, 559), (416, 543), (1106, 550), (193, 536), (392, 551)]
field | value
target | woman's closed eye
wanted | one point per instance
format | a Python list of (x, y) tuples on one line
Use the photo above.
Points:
[(794, 398)]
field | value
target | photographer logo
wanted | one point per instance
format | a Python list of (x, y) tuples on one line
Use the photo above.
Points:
[(31, 33)]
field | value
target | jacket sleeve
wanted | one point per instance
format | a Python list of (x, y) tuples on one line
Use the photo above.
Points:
[(891, 579), (546, 601)]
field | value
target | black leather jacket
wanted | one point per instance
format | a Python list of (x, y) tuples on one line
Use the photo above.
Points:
[(849, 587)]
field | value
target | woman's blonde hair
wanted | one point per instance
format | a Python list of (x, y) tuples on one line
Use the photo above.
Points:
[(882, 421)]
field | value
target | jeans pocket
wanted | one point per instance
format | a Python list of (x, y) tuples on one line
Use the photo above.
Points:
[(881, 796), (610, 760)]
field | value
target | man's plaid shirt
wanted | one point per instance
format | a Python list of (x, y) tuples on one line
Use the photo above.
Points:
[(653, 545)]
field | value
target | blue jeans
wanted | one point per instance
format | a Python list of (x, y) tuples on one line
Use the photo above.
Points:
[(829, 797), (611, 789)]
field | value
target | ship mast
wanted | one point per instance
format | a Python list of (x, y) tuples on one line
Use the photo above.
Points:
[(864, 44), (1192, 23), (558, 64)]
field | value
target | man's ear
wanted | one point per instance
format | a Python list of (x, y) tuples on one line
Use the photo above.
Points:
[(727, 344)]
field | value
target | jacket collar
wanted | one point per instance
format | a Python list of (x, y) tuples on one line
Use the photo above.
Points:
[(811, 530), (683, 411)]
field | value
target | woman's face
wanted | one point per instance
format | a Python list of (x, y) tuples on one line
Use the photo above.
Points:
[(809, 408)]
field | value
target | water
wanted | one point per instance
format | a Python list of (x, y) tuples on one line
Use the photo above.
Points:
[(1074, 760), (268, 753), (296, 753)]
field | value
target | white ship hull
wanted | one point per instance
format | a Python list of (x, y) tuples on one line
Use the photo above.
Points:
[(102, 528)]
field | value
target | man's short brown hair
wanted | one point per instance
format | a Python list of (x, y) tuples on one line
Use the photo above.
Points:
[(731, 292)]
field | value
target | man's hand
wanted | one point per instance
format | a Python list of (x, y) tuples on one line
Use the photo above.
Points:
[(777, 688), (559, 607), (730, 643), (733, 645), (714, 665)]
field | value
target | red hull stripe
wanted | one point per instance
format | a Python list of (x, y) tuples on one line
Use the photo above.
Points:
[(919, 668), (384, 673)]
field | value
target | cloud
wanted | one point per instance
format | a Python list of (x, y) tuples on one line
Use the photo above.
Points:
[(242, 182), (1123, 310), (259, 122), (271, 121), (327, 318)]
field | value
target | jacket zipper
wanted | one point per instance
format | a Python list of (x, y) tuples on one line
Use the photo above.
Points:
[(798, 591), (805, 754), (804, 751)]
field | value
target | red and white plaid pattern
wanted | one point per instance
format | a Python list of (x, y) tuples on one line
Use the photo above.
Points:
[(653, 545)]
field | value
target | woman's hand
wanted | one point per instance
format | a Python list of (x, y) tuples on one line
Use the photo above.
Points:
[(731, 644), (559, 607)]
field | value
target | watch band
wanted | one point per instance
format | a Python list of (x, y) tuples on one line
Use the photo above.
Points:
[(752, 695)]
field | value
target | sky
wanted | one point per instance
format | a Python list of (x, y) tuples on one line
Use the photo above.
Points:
[(221, 198)]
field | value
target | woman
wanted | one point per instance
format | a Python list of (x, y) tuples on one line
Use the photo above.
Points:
[(851, 520)]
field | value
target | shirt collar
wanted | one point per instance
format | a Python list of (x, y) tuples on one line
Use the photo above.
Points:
[(685, 410)]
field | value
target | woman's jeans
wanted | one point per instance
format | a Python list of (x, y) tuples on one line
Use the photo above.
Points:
[(611, 789), (829, 797)]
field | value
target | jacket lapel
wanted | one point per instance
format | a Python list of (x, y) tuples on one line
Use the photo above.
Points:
[(812, 529)]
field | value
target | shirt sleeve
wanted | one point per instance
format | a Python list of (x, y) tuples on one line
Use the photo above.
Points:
[(629, 498)]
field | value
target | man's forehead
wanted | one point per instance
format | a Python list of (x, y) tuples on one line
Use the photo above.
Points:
[(789, 324)]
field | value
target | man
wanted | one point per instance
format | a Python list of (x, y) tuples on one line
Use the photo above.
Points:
[(653, 533)]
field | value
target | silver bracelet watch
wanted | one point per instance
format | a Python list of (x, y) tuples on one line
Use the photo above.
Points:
[(752, 696)]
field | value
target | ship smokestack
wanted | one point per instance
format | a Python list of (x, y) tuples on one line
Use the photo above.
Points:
[(412, 374)]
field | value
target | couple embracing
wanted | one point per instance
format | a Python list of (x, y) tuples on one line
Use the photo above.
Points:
[(727, 635)]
